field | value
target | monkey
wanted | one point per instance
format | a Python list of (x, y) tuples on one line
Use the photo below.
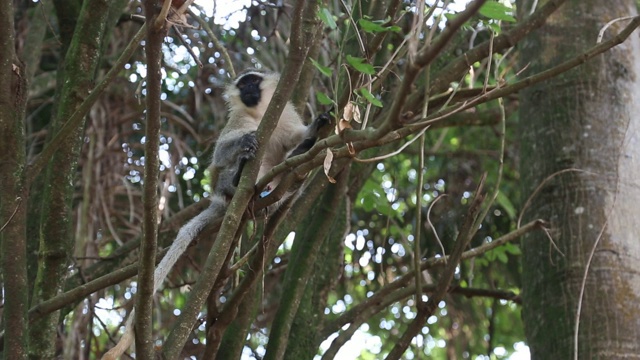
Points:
[(247, 99)]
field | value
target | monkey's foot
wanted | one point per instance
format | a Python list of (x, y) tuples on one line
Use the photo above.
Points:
[(266, 192), (249, 145)]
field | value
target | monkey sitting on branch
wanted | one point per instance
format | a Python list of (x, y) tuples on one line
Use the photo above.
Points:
[(247, 99)]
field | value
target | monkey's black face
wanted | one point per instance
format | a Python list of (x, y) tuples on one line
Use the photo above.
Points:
[(249, 86)]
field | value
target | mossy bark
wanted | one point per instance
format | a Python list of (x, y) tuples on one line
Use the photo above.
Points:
[(77, 77), (300, 269), (299, 216), (305, 336)]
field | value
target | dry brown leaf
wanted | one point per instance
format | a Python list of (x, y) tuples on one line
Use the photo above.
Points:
[(348, 111), (356, 114), (342, 125), (352, 150), (327, 166)]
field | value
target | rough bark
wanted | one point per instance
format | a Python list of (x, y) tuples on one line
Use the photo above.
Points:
[(585, 119), (13, 92)]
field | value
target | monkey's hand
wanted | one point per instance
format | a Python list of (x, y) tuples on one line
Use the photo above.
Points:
[(248, 147), (324, 119), (318, 129), (320, 123)]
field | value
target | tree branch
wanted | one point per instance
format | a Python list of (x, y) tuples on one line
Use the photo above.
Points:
[(392, 119), (464, 237), (431, 51), (367, 138), (401, 294), (297, 54), (228, 65), (144, 298), (459, 66), (405, 280)]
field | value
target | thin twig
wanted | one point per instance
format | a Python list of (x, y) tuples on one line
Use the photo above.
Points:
[(606, 26), (542, 184), (227, 64), (19, 200), (188, 47), (433, 228), (394, 153), (405, 280), (462, 240), (417, 253), (364, 52), (162, 16)]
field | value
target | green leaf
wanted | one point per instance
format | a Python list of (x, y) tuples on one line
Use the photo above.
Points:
[(327, 18), (323, 98), (368, 203), (395, 230), (376, 26), (323, 69), (482, 262), (512, 249), (497, 11), (179, 301), (495, 27), (506, 205), (370, 98), (359, 64)]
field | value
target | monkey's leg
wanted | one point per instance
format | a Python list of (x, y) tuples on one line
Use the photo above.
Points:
[(248, 146)]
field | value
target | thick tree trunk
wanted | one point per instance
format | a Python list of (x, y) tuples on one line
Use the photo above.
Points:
[(586, 119), (13, 194)]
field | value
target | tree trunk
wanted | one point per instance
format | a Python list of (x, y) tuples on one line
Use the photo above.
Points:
[(56, 237), (585, 120), (13, 194)]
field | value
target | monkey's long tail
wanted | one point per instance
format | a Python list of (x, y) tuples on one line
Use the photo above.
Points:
[(185, 236)]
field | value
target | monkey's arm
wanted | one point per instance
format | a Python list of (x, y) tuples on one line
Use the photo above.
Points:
[(312, 134)]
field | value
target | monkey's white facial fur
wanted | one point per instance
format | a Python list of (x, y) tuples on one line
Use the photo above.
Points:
[(251, 92)]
